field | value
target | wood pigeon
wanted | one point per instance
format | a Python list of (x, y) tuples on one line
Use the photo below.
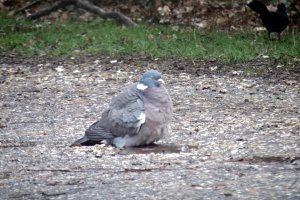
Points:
[(139, 115)]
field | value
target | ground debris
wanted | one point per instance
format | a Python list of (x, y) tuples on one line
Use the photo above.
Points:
[(232, 136)]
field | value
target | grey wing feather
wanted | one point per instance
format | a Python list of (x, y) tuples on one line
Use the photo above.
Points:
[(96, 132), (121, 118), (125, 113)]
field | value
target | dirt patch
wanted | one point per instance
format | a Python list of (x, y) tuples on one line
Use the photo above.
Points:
[(264, 68), (233, 135)]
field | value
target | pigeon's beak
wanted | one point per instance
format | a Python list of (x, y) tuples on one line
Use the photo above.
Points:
[(161, 81)]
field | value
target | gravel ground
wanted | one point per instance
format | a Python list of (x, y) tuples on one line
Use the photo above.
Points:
[(232, 137)]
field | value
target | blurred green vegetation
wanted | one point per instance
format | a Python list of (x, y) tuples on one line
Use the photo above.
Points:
[(30, 38)]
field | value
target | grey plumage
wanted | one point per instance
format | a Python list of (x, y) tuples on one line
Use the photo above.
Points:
[(139, 115)]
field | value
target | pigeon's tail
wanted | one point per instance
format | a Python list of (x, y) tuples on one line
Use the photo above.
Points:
[(84, 141), (95, 134), (258, 7)]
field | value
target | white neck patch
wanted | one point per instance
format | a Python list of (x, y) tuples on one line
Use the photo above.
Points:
[(141, 86)]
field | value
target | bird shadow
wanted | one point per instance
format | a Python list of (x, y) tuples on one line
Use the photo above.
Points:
[(156, 148)]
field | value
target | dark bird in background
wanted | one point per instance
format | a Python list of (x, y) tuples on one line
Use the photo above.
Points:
[(139, 115), (273, 21)]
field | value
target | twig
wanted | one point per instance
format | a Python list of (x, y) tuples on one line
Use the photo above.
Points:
[(71, 191), (57, 5), (111, 170), (99, 11), (54, 170), (30, 122), (28, 6), (86, 5)]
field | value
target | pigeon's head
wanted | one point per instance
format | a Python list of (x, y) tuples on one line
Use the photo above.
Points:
[(151, 78)]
